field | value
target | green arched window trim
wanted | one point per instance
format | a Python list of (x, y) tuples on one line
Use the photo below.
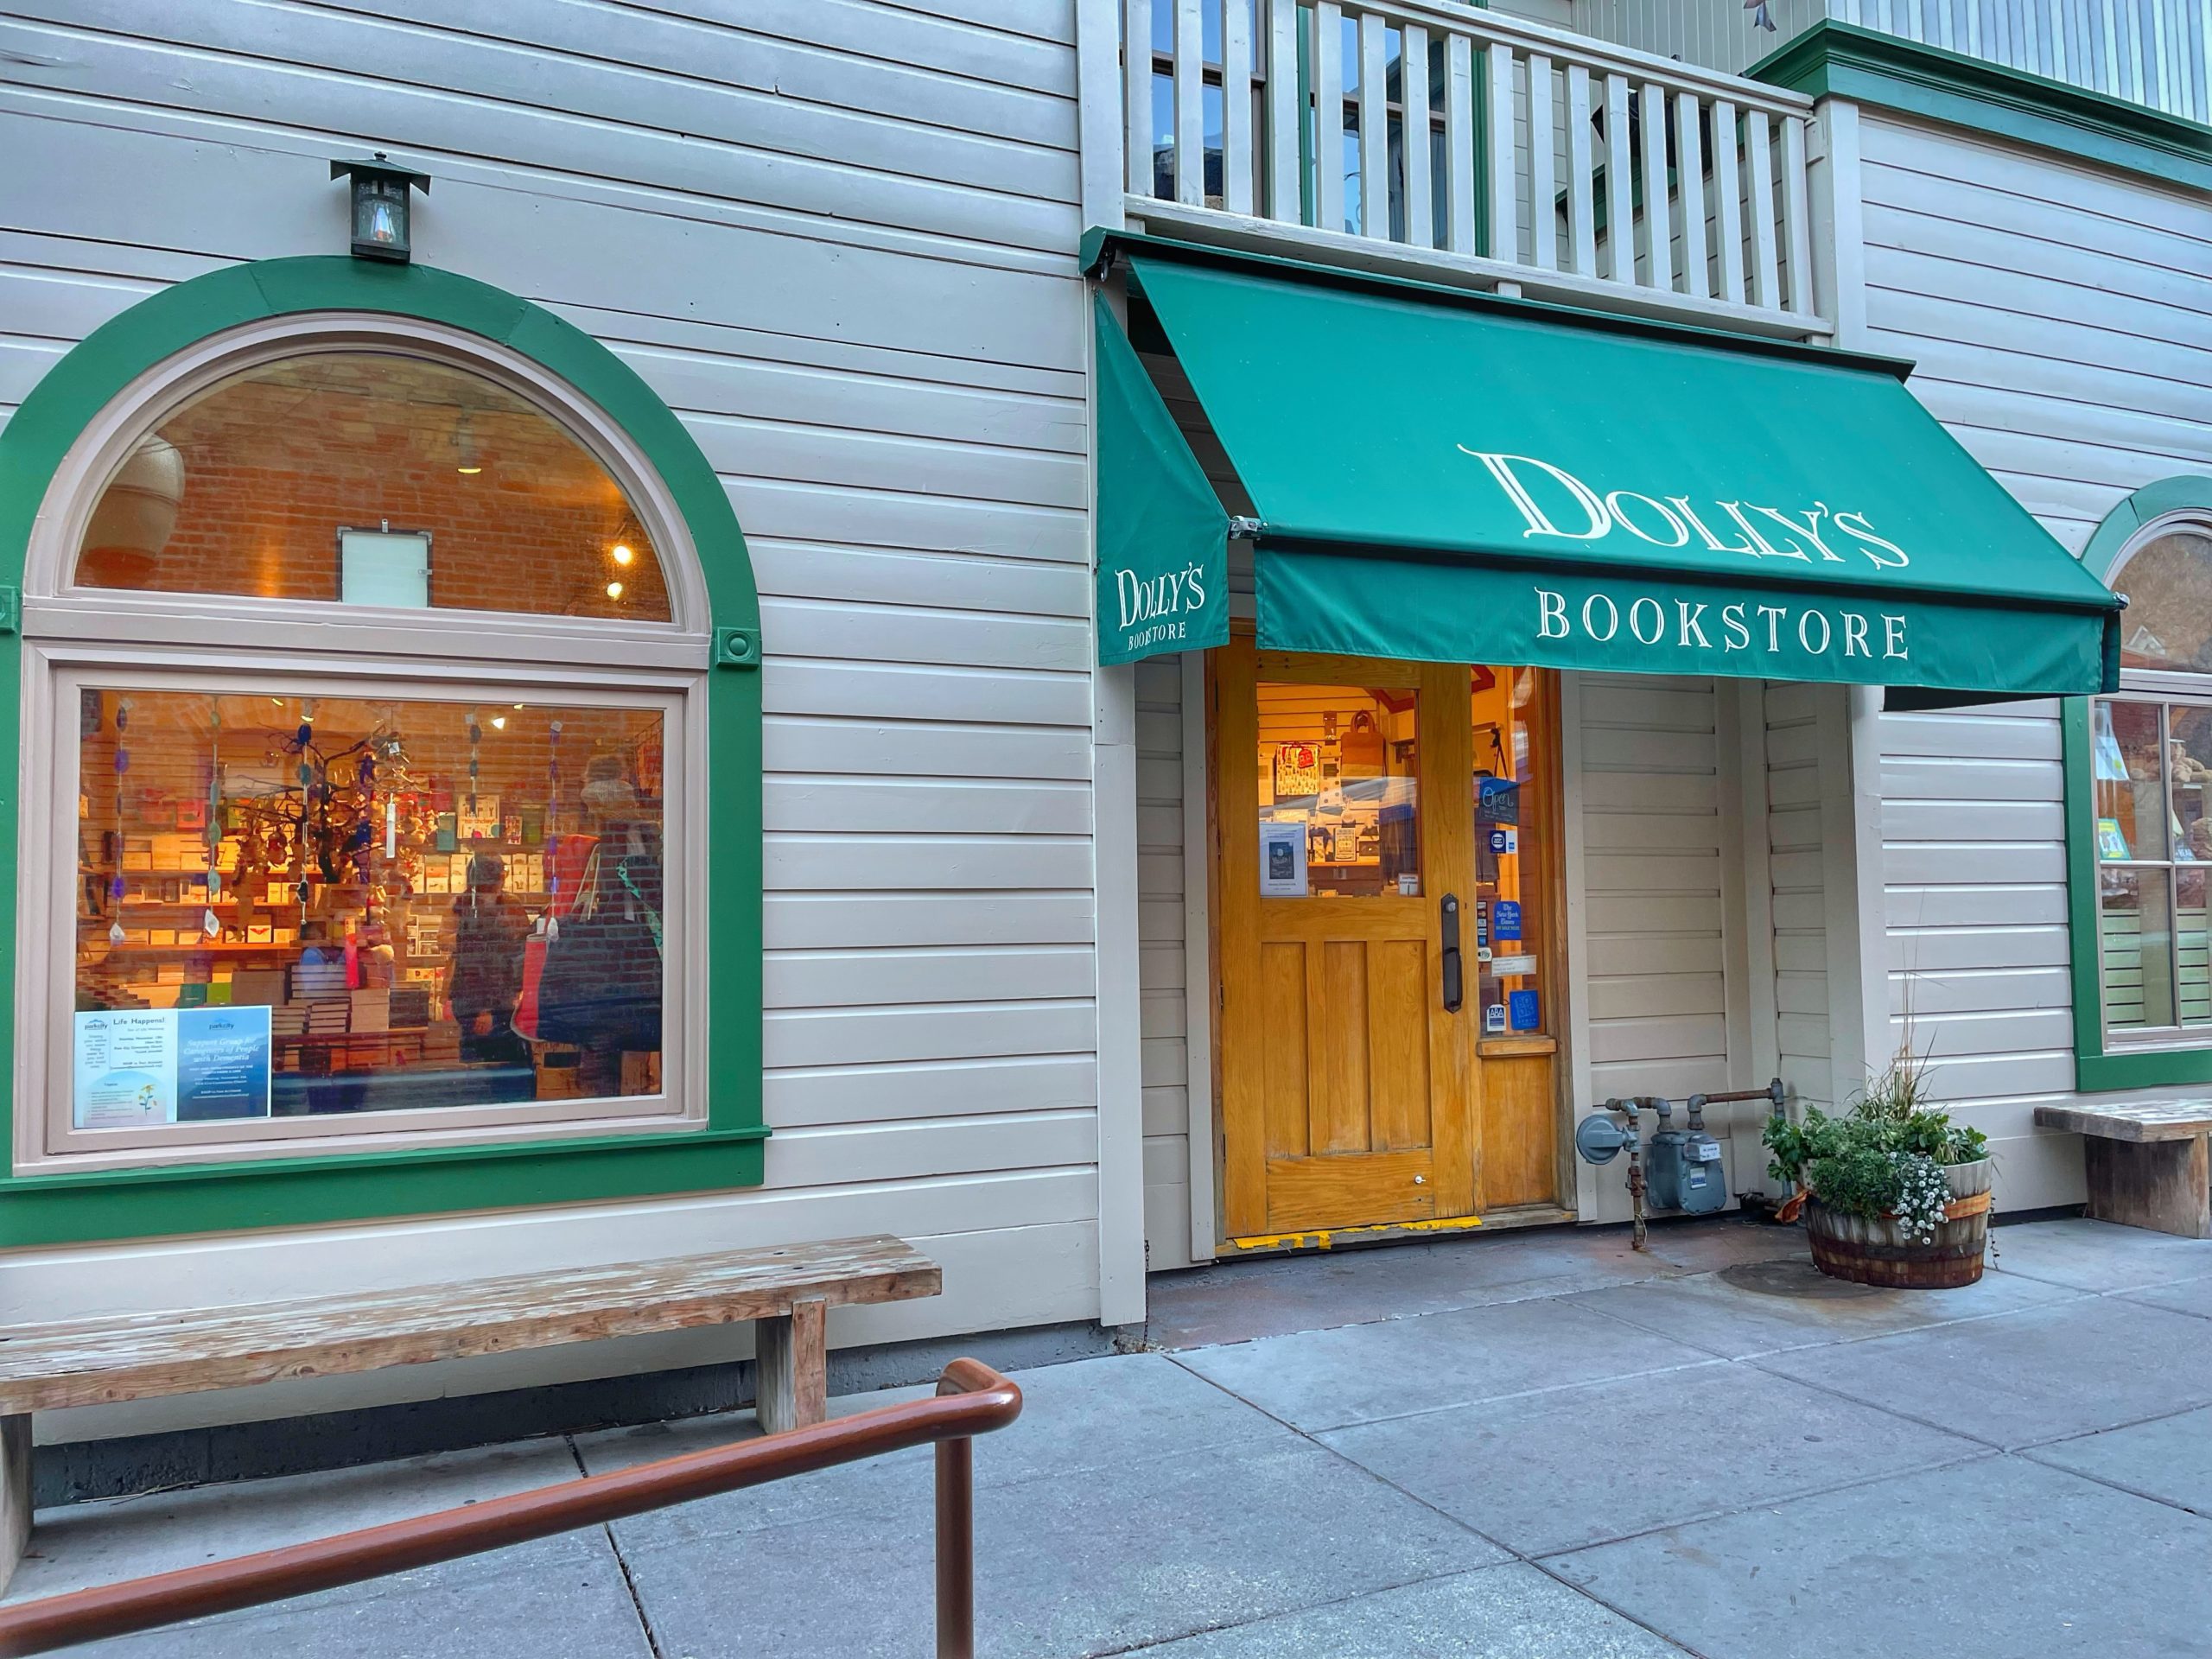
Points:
[(50, 1208), (2096, 1067)]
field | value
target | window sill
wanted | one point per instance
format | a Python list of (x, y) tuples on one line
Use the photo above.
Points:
[(2143, 1068), (91, 1206), (1506, 1048)]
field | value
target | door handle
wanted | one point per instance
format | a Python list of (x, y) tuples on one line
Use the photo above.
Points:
[(1454, 977)]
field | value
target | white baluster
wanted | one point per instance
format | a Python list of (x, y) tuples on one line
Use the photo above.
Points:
[(1689, 169), (1136, 77), (1658, 223), (1237, 105), (1285, 119), (1581, 188), (1190, 104), (1460, 141), (1374, 128), (1544, 139), (1620, 215), (1727, 200), (1413, 76), (1797, 211), (1758, 151), (1504, 216), (1328, 117)]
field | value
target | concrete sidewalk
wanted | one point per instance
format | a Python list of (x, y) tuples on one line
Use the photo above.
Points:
[(1530, 1446)]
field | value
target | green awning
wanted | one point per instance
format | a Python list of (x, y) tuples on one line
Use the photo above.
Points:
[(1447, 478)]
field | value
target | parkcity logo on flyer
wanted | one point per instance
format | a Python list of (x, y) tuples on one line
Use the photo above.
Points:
[(1166, 603), (1671, 521)]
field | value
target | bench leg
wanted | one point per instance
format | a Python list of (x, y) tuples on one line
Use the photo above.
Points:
[(15, 1492), (2163, 1186), (791, 1364)]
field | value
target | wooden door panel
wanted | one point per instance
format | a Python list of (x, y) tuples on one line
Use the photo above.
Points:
[(1282, 1001), (1519, 1131), (1312, 1194), (1337, 1016), (1398, 1109)]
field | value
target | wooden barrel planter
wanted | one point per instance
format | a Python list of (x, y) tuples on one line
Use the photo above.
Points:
[(1878, 1252)]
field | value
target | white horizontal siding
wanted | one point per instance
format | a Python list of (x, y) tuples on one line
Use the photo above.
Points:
[(1162, 964), (2062, 318), (1652, 955), (838, 239)]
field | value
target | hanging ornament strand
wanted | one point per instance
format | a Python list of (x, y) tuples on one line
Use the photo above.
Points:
[(210, 924), (116, 885)]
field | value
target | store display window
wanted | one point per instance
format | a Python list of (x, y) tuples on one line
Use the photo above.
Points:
[(2151, 770), (1513, 816), (293, 907), (1339, 792), (369, 710)]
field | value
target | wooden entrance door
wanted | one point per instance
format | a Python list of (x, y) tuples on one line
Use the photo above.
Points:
[(1342, 822)]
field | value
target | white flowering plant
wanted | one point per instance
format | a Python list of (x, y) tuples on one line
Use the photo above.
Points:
[(1883, 1158)]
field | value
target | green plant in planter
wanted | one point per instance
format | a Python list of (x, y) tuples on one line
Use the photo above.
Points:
[(1884, 1157)]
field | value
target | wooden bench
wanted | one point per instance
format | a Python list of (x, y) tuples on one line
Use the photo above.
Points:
[(2147, 1162), (786, 1290)]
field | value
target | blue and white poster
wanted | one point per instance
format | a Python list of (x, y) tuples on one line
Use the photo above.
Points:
[(137, 1067), (1505, 918), (1528, 1011)]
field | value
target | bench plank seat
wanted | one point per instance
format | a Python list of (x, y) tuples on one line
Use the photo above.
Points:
[(786, 1290), (2148, 1163), (2161, 1120)]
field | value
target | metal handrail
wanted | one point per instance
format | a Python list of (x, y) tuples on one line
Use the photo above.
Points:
[(971, 1399)]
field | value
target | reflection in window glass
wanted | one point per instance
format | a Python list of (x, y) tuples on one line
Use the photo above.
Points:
[(1339, 792), (372, 478), (1510, 918), (2136, 943), (2131, 819), (2169, 588), (360, 905)]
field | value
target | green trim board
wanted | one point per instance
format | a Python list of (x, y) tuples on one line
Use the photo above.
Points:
[(347, 1186), (2119, 527), (1833, 60), (2097, 1067), (1457, 483)]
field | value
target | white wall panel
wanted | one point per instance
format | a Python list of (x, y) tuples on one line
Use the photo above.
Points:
[(1652, 954), (2062, 316), (839, 238)]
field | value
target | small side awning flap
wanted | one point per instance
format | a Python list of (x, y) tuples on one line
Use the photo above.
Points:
[(1453, 481)]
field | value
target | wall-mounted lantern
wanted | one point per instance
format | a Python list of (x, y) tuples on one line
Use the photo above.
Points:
[(380, 206)]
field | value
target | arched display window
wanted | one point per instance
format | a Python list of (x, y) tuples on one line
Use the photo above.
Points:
[(2151, 763), (369, 672)]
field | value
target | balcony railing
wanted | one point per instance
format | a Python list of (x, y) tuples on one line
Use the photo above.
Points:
[(1402, 134)]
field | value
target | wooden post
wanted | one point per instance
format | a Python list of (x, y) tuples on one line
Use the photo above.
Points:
[(791, 1366), (955, 1549), (14, 1491), (2159, 1185)]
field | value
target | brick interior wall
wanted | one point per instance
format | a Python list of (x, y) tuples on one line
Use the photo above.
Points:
[(278, 459)]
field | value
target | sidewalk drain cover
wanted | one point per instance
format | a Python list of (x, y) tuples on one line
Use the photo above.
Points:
[(1793, 1276)]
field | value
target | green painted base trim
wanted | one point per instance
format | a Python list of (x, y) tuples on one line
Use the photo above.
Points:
[(94, 1206), (1833, 60)]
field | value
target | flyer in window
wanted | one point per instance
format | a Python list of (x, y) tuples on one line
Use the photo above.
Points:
[(1282, 861), (140, 1066)]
